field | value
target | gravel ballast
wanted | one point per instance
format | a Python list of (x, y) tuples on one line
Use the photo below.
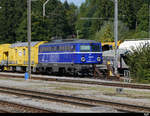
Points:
[(131, 96)]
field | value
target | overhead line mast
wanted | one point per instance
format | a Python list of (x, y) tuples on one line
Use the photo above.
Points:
[(29, 36), (116, 35)]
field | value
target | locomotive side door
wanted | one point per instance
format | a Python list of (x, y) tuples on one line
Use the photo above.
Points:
[(73, 50), (5, 58)]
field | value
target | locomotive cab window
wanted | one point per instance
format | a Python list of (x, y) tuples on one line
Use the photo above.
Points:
[(24, 52), (57, 48), (85, 48), (73, 48), (95, 48), (16, 50)]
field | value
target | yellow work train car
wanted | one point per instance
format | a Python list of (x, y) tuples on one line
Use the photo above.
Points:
[(4, 48), (109, 45), (18, 55)]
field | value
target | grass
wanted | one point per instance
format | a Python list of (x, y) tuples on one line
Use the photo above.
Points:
[(67, 88), (130, 94), (105, 91)]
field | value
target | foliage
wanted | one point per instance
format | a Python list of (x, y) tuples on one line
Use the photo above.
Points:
[(106, 34), (71, 17), (132, 13), (63, 19), (101, 9), (59, 21), (143, 18), (139, 63), (133, 34), (11, 15)]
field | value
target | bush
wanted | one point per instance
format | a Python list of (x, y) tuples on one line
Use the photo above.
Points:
[(137, 35), (139, 63)]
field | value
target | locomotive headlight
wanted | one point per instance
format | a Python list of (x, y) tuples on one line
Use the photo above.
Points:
[(83, 59), (98, 59)]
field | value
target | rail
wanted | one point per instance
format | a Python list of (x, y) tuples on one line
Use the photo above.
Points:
[(93, 82), (12, 107), (75, 100)]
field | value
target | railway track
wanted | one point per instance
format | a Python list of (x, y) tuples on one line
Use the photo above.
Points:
[(4, 111), (83, 81), (84, 102), (12, 107)]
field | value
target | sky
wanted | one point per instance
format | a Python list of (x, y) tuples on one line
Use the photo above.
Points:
[(76, 2)]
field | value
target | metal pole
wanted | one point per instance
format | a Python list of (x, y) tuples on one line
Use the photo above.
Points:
[(44, 7), (116, 35), (29, 36)]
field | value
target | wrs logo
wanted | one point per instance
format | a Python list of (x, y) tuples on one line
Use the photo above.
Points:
[(146, 114)]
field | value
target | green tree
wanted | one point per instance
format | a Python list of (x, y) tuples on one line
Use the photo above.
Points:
[(59, 20), (128, 11), (71, 16), (143, 18), (21, 31), (11, 16), (83, 26), (106, 34)]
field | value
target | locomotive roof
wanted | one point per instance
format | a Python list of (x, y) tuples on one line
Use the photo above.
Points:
[(71, 41), (23, 44)]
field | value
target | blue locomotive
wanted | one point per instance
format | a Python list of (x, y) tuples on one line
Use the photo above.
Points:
[(76, 56)]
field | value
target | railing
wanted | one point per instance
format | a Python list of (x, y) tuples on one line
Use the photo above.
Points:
[(127, 77)]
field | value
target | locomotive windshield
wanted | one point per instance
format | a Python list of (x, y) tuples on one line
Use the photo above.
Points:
[(89, 48), (85, 48), (95, 48)]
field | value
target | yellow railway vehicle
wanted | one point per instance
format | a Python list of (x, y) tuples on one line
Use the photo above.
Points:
[(4, 48), (109, 45), (17, 57)]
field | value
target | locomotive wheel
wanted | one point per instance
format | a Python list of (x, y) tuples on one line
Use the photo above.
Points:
[(1, 69), (80, 74), (62, 71), (75, 74), (49, 71), (14, 69)]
